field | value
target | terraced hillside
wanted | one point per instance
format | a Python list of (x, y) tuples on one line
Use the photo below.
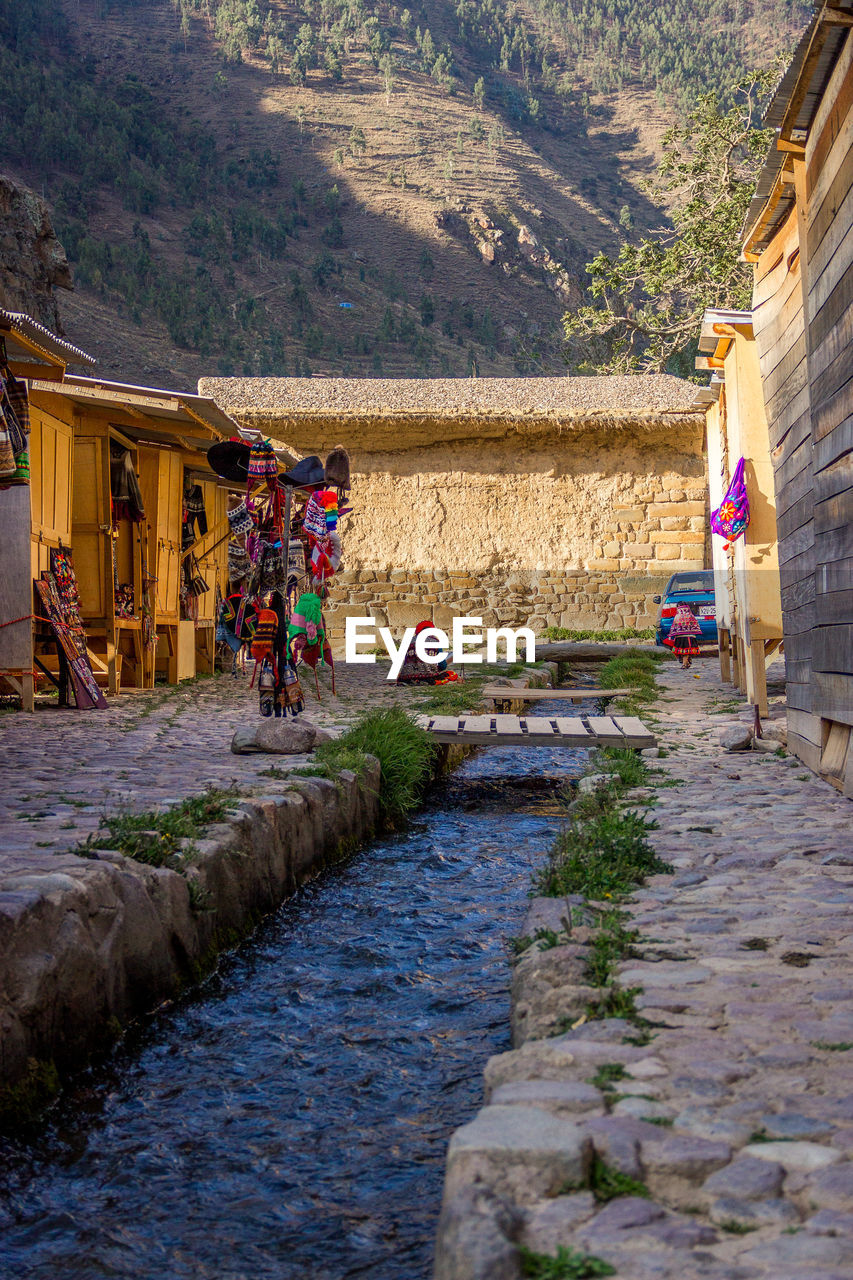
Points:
[(335, 186)]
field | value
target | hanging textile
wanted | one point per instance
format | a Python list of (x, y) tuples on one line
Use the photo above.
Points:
[(731, 518), (60, 601), (124, 486), (194, 513), (14, 425)]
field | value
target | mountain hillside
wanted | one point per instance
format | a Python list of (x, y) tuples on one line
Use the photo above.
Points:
[(348, 187)]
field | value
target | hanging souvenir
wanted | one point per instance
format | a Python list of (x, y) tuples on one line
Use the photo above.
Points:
[(126, 495), (263, 640), (262, 461), (314, 520), (290, 697), (731, 518), (240, 519), (307, 619), (337, 468), (8, 465), (329, 501), (239, 565), (195, 514), (266, 690)]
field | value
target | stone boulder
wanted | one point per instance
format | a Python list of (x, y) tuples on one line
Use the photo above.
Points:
[(279, 737), (736, 737)]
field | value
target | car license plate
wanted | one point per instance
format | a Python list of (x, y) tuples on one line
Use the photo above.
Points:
[(707, 611)]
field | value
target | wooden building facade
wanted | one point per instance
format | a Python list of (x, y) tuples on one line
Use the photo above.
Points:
[(129, 569), (746, 575), (799, 236)]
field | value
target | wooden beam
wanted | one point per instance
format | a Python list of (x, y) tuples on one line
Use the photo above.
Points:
[(506, 693), (801, 88), (41, 372), (201, 422)]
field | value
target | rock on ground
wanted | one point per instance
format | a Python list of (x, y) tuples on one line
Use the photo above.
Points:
[(279, 737)]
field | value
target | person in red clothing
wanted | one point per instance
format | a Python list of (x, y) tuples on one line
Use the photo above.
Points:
[(682, 635)]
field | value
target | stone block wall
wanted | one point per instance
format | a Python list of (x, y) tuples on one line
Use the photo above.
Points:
[(645, 536)]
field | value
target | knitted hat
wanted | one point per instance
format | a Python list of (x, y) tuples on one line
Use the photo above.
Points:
[(262, 461), (328, 500), (265, 633), (337, 467), (314, 520), (240, 518), (307, 618)]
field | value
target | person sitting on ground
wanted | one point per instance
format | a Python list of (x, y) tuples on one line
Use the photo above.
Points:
[(415, 671), (682, 635)]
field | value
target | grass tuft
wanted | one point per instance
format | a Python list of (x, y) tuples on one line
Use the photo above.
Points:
[(607, 1183), (154, 838), (566, 1264), (404, 750), (607, 1075), (603, 857), (605, 633)]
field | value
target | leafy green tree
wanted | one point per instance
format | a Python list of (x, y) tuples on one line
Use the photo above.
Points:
[(646, 303)]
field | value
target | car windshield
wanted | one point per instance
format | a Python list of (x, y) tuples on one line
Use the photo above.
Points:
[(700, 581)]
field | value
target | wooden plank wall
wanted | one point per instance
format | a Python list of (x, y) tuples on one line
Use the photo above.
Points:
[(779, 327), (829, 238)]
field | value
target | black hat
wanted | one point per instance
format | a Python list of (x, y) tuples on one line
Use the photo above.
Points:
[(309, 473), (230, 460)]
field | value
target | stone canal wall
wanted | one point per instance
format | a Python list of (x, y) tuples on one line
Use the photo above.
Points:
[(88, 943), (705, 1134), (84, 951)]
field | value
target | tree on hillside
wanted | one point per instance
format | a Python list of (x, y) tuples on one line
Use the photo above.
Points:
[(646, 303)]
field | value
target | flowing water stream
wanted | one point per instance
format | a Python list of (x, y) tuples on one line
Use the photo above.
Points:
[(289, 1120)]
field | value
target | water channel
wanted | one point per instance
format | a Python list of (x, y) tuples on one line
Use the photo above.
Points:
[(289, 1120)]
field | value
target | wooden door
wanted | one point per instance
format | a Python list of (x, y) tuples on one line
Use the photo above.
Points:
[(51, 461), (90, 528), (211, 562), (170, 492)]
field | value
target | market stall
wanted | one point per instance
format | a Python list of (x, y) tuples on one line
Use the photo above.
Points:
[(286, 527), (35, 508), (120, 484)]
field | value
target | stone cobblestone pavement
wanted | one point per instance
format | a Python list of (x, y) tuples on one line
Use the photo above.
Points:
[(737, 1116), (63, 769)]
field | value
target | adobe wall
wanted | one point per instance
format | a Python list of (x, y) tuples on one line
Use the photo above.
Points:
[(575, 529)]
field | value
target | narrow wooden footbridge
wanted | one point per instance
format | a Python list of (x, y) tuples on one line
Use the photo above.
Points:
[(539, 731)]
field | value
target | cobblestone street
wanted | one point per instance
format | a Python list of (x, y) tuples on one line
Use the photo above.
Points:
[(737, 1116), (64, 768)]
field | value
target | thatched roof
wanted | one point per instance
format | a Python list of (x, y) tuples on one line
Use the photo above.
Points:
[(407, 412)]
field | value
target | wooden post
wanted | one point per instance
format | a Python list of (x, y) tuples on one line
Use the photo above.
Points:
[(741, 665), (757, 677), (725, 656), (28, 691)]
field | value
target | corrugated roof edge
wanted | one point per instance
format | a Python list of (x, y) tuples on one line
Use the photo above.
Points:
[(21, 323)]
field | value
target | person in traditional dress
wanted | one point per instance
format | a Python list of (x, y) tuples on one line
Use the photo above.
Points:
[(682, 635)]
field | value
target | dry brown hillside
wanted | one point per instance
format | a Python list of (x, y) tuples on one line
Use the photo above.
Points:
[(423, 232)]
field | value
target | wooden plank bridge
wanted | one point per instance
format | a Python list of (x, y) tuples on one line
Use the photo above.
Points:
[(501, 693), (539, 731)]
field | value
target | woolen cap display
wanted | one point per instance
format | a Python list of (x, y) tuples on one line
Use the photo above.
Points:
[(307, 474), (230, 460)]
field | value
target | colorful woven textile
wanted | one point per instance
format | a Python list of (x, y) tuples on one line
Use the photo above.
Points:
[(685, 624), (732, 516)]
